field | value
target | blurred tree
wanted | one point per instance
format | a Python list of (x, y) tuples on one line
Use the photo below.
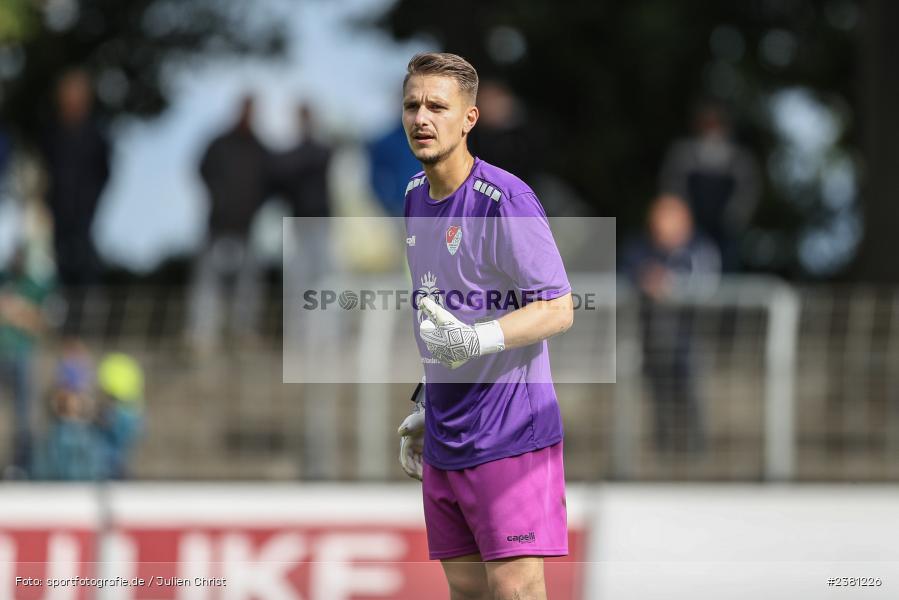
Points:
[(615, 82), (124, 45), (880, 134), (17, 20)]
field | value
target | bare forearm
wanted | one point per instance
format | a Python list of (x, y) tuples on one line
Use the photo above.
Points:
[(21, 314), (537, 321)]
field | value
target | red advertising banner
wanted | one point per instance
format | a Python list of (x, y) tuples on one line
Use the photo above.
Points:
[(292, 549)]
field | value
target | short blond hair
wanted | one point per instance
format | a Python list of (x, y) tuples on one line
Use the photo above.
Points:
[(448, 65)]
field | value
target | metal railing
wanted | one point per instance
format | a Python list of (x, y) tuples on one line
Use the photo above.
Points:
[(793, 384)]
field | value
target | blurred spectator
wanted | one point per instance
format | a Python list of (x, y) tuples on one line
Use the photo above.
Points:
[(120, 417), (6, 150), (71, 449), (301, 176), (75, 368), (301, 173), (234, 169), (671, 262), (392, 165), (21, 322), (76, 153), (508, 134), (504, 135), (718, 178)]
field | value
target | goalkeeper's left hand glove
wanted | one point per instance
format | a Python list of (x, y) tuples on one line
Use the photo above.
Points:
[(454, 343), (412, 433)]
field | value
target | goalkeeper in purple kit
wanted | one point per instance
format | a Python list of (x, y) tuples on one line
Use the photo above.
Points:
[(486, 435)]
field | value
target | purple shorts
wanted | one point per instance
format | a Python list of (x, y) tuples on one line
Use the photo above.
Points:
[(508, 507)]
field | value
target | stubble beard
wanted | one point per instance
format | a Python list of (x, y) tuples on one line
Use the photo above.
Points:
[(438, 157)]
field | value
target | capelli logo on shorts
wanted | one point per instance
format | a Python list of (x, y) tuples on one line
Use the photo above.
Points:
[(527, 538)]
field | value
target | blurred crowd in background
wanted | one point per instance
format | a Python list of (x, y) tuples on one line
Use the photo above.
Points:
[(708, 190), (697, 218)]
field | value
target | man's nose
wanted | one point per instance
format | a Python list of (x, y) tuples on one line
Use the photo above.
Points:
[(422, 116)]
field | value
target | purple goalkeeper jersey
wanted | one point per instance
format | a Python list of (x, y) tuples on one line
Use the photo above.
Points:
[(485, 250)]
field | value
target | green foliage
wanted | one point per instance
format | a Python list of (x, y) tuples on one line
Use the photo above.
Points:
[(616, 80), (17, 20), (128, 45)]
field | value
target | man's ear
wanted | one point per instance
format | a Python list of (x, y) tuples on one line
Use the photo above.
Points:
[(471, 117)]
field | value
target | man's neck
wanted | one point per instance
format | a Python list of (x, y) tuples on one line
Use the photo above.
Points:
[(446, 176)]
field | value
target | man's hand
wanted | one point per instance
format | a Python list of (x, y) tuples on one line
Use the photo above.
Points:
[(412, 432), (454, 343)]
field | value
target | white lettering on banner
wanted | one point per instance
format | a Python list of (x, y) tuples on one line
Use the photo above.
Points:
[(262, 575), (336, 578), (194, 560), (63, 557), (7, 564), (118, 558)]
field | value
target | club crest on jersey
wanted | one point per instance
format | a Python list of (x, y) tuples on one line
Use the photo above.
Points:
[(453, 238)]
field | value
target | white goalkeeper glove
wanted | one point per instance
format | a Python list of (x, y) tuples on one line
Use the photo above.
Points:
[(412, 432), (454, 343)]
